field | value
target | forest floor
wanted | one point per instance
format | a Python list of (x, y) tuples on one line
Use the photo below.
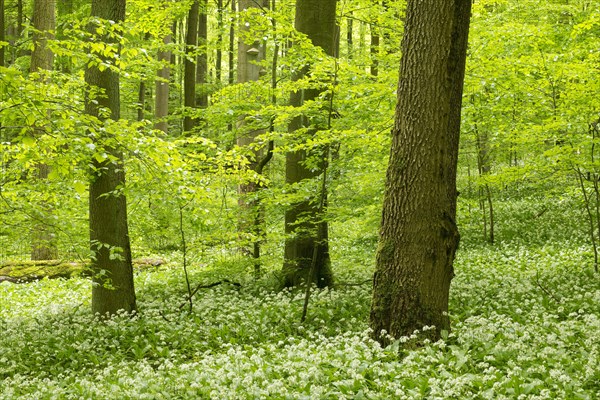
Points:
[(525, 318)]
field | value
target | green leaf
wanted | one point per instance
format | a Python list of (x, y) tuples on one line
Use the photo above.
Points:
[(80, 187)]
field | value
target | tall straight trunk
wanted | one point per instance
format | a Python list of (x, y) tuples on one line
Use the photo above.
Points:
[(202, 68), (418, 236), (231, 71), (350, 35), (219, 52), (374, 50), (189, 74), (19, 17), (250, 53), (306, 245), (161, 100), (2, 33), (43, 245), (112, 288)]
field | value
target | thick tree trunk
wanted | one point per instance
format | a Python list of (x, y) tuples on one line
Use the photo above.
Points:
[(44, 21), (161, 101), (305, 229), (202, 68), (419, 237), (112, 288), (189, 75)]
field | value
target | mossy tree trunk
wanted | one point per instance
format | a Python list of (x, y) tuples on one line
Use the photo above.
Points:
[(306, 230), (419, 237), (112, 270), (43, 246)]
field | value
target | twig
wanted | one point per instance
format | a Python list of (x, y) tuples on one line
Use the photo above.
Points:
[(537, 281), (210, 285)]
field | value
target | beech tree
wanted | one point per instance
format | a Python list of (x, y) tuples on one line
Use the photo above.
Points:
[(42, 58), (307, 233), (418, 236), (189, 78), (112, 288)]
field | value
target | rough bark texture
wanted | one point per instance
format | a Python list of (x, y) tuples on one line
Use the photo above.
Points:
[(419, 237), (161, 100), (43, 245), (189, 73), (303, 227), (112, 270)]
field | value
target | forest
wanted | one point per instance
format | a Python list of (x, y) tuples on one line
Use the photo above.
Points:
[(299, 199)]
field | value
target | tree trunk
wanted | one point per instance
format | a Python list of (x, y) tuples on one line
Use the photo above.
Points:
[(219, 52), (231, 72), (189, 75), (418, 236), (249, 55), (112, 288), (305, 229), (2, 34), (202, 68), (44, 21), (374, 50), (161, 101), (350, 35)]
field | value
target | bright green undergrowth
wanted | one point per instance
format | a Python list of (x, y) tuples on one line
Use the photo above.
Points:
[(525, 315)]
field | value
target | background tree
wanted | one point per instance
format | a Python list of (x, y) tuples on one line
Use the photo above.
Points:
[(419, 236), (306, 231), (42, 58), (112, 288), (189, 78)]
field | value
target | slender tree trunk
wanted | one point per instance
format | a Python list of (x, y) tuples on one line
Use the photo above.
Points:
[(250, 53), (219, 52), (189, 78), (418, 236), (112, 288), (19, 17), (2, 34), (374, 50), (42, 58), (161, 101), (202, 68), (231, 64), (306, 231), (350, 36)]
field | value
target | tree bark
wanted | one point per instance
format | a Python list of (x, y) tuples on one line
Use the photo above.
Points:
[(374, 50), (418, 236), (112, 288), (249, 55), (219, 52), (231, 72), (189, 78), (202, 68), (161, 101), (2, 34), (43, 245), (305, 229)]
